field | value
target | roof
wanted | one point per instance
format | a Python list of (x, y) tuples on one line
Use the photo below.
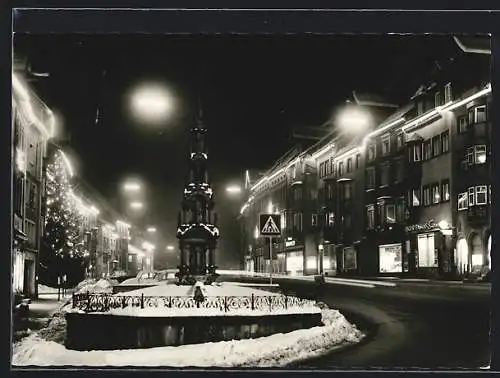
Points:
[(474, 44), (372, 99)]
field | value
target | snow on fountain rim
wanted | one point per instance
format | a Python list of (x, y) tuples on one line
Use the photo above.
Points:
[(276, 350), (217, 290)]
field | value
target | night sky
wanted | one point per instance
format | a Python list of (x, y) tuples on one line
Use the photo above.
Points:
[(253, 90)]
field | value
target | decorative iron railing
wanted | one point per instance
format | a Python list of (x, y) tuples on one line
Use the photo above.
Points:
[(105, 302)]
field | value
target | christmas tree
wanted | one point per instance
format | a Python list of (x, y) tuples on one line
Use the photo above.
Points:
[(61, 240)]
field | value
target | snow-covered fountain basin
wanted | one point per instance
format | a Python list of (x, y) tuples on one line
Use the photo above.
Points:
[(171, 315)]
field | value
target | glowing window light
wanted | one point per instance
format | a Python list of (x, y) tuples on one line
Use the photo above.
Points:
[(311, 262), (136, 205), (256, 232)]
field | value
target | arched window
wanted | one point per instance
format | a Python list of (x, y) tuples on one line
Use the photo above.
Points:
[(462, 258)]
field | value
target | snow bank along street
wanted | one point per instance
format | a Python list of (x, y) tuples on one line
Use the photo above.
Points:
[(45, 348)]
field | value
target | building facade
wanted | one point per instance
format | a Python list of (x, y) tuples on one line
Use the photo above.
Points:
[(410, 197), (31, 125)]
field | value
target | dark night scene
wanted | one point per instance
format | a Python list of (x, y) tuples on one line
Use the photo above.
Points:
[(294, 201)]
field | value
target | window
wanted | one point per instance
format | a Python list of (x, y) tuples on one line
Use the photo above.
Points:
[(417, 152), (427, 150), (436, 193), (420, 107), (480, 154), (400, 209), (129, 258), (390, 211), (400, 141), (347, 190), (386, 144), (349, 165), (384, 174), (371, 152), (463, 202), (358, 161), (400, 170), (370, 178), (476, 154), (477, 114), (445, 190), (327, 168), (341, 168), (436, 146), (448, 96), (462, 124), (370, 217), (445, 142), (471, 196), (330, 190), (427, 257), (427, 195), (437, 99), (331, 219), (390, 258), (415, 200), (481, 195), (18, 195), (314, 220), (297, 221)]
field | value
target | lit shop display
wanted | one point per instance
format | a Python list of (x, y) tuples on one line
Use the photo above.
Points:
[(390, 258), (295, 263)]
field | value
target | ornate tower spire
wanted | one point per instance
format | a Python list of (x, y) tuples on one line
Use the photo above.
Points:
[(197, 231)]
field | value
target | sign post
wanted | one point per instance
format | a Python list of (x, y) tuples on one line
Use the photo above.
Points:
[(270, 225)]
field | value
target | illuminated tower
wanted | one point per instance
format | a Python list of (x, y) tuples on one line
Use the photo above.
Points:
[(197, 231)]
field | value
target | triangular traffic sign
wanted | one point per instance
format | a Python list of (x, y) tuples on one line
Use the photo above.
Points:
[(270, 227)]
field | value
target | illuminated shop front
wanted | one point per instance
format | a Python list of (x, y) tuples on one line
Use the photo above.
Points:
[(390, 258), (295, 263)]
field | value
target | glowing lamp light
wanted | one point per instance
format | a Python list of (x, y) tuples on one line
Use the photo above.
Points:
[(170, 247), (148, 246), (151, 229), (233, 189), (444, 225), (152, 103), (136, 205), (132, 187), (256, 232), (354, 119)]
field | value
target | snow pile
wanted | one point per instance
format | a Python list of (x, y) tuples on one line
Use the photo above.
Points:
[(42, 289), (101, 286), (271, 351)]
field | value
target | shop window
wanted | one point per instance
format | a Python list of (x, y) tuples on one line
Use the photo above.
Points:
[(400, 170), (390, 258), (427, 195), (448, 95), (400, 141), (415, 200), (435, 193), (370, 217), (481, 197), (385, 174), (358, 161), (341, 168), (445, 142), (463, 201), (386, 145), (427, 256), (370, 178), (350, 260), (471, 196), (436, 146), (462, 124), (349, 165), (445, 190), (371, 152), (427, 150)]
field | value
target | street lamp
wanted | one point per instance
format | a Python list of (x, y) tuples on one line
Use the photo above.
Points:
[(152, 103), (353, 119), (151, 229), (233, 189), (136, 205), (170, 247), (131, 187)]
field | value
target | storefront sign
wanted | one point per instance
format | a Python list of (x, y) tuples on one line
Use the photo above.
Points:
[(424, 227), (289, 243)]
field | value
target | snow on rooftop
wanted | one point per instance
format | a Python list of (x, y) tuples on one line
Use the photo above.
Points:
[(277, 350)]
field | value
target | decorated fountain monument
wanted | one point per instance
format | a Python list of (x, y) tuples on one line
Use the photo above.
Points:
[(197, 309)]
